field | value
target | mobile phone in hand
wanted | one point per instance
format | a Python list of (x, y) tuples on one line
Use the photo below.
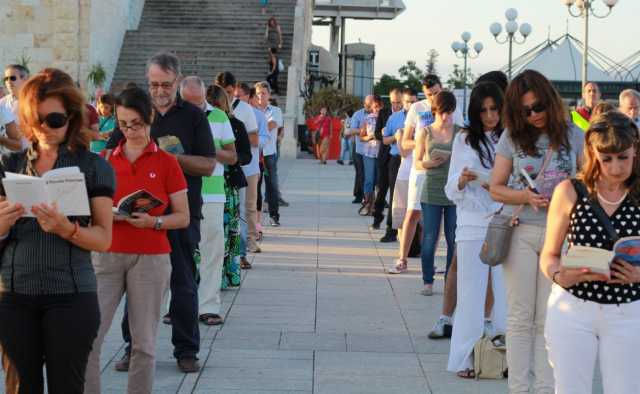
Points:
[(530, 182)]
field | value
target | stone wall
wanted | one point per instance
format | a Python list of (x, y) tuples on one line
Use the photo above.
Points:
[(69, 34)]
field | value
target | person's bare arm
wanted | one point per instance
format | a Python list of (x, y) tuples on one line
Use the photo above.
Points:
[(500, 192), (227, 155), (254, 138), (408, 143), (13, 139), (197, 165), (178, 218)]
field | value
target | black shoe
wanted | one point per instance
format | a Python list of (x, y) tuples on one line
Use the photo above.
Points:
[(275, 222), (357, 200), (123, 364), (340, 162), (282, 202), (351, 163), (188, 365), (376, 225), (390, 236)]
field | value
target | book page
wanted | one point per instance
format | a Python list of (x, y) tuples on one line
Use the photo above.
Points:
[(70, 193), (483, 176), (26, 190), (595, 259), (444, 154)]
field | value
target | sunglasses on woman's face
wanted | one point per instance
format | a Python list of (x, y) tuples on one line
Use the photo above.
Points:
[(537, 108), (54, 120), (11, 78)]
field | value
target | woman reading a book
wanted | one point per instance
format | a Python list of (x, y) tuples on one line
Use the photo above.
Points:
[(49, 309), (595, 313), (149, 183), (472, 158), (540, 141)]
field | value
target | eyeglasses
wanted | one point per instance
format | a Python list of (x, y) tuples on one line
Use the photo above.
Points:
[(135, 126), (54, 120), (11, 78), (163, 85), (537, 108)]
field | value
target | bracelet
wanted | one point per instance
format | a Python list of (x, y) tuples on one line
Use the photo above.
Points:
[(75, 233), (553, 277)]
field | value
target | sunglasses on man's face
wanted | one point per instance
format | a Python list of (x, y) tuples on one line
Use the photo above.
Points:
[(11, 78), (54, 120), (537, 108)]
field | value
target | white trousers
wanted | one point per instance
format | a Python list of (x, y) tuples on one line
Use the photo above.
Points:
[(578, 331), (527, 295), (473, 276), (211, 257)]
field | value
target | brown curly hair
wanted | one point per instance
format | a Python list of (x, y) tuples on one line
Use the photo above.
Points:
[(52, 82), (523, 134)]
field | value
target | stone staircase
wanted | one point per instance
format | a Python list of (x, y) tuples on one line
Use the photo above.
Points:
[(209, 36)]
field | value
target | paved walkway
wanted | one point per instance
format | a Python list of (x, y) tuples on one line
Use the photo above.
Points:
[(317, 313)]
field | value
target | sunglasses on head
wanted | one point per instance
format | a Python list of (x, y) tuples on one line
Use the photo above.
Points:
[(54, 120), (537, 108), (11, 78)]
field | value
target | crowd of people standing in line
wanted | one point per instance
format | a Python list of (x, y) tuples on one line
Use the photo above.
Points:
[(433, 168), (201, 151)]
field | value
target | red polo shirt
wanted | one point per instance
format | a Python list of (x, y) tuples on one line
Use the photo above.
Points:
[(157, 172)]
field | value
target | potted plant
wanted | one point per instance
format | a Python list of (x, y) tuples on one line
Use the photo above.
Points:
[(97, 76)]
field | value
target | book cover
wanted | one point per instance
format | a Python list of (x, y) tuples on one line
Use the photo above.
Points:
[(599, 260), (139, 201), (171, 144)]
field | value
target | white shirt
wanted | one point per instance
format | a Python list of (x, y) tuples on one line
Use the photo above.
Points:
[(6, 117), (420, 115), (10, 103), (473, 203), (245, 113), (273, 114)]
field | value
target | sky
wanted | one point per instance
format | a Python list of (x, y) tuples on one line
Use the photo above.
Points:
[(430, 24)]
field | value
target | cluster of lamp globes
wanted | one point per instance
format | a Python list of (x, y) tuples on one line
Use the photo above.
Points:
[(582, 4)]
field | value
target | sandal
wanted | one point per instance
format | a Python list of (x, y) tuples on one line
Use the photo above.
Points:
[(467, 374), (400, 267), (166, 319), (211, 319)]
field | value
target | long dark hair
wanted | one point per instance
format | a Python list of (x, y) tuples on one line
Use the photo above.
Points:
[(523, 134), (476, 137)]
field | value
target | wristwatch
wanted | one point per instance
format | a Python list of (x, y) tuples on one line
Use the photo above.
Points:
[(158, 225)]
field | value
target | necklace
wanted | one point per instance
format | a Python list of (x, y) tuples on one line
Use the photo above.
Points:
[(604, 200)]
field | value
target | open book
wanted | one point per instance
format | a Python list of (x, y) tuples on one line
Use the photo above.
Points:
[(599, 260), (64, 186), (483, 176), (138, 201), (444, 154)]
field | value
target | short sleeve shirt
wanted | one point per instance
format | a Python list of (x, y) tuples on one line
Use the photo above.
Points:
[(158, 173), (247, 115), (357, 121), (370, 148), (37, 263), (395, 122), (562, 165), (187, 122), (6, 117), (273, 114), (213, 186)]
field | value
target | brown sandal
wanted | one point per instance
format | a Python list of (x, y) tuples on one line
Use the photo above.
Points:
[(467, 374), (211, 319)]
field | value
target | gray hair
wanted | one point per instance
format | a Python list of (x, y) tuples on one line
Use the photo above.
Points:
[(627, 93), (193, 80), (168, 62), (263, 85)]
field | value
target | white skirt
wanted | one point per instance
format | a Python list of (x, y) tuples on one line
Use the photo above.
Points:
[(416, 183), (399, 208)]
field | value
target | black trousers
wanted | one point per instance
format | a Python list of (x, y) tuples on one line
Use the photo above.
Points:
[(394, 167), (183, 308), (382, 183), (55, 330), (358, 183)]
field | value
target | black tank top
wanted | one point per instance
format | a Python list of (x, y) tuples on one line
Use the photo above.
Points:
[(586, 229)]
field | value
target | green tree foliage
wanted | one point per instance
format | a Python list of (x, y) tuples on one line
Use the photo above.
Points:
[(335, 100), (432, 60), (386, 84), (456, 78), (412, 75)]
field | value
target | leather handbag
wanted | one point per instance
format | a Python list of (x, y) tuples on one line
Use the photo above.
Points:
[(490, 358)]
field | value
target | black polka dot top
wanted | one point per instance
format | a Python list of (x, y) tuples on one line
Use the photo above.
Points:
[(585, 229)]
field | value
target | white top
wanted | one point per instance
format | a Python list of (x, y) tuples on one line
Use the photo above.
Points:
[(405, 168), (10, 103), (273, 114), (6, 117), (420, 115), (473, 203), (245, 113)]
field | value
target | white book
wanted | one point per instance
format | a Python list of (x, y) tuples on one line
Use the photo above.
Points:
[(64, 186), (483, 177)]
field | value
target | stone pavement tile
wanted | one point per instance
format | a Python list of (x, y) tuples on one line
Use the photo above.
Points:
[(424, 345), (313, 341), (369, 364), (370, 385), (276, 297), (229, 338), (448, 382), (358, 342)]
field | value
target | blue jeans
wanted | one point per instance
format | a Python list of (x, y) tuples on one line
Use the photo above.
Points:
[(431, 219), (370, 170), (345, 152)]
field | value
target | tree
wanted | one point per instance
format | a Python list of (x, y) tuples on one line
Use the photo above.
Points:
[(456, 78), (432, 59), (336, 102), (412, 75), (386, 84)]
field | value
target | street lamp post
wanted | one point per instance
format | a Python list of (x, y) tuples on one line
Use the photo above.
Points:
[(584, 9), (511, 28), (463, 51)]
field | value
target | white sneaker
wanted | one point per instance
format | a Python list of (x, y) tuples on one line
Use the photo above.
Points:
[(488, 329), (442, 329)]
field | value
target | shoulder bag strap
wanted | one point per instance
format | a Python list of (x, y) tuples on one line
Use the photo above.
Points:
[(545, 163)]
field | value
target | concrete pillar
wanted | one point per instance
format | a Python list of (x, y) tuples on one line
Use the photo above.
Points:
[(296, 74), (334, 45)]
